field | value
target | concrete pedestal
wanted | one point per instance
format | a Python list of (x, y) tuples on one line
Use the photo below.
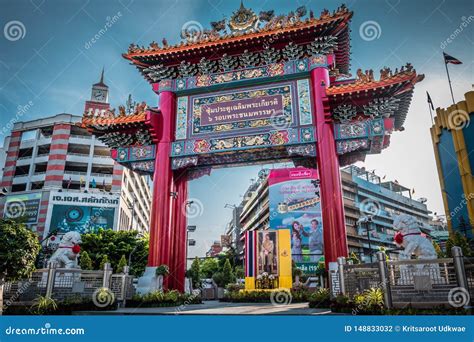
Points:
[(149, 281)]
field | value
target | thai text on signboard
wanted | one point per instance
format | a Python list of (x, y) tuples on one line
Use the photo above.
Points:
[(243, 109)]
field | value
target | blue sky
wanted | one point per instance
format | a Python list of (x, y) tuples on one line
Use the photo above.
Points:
[(52, 69)]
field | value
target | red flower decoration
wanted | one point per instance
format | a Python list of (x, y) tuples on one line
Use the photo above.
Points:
[(398, 238), (76, 249)]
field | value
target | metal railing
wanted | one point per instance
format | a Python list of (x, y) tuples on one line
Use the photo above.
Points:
[(422, 283), (79, 173), (78, 136), (64, 283)]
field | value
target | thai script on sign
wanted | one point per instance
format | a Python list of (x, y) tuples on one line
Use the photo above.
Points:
[(240, 110)]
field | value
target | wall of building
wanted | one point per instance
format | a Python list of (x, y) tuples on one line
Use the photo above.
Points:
[(453, 142), (54, 154)]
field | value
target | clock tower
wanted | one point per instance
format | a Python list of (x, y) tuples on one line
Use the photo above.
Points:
[(99, 97)]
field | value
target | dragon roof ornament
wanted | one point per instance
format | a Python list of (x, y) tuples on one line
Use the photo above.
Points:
[(243, 21)]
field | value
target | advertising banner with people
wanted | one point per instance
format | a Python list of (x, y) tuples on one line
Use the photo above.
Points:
[(295, 205)]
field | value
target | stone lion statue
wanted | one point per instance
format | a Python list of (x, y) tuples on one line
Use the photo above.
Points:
[(409, 237), (68, 250)]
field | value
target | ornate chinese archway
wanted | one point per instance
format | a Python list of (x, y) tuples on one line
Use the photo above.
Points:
[(256, 88)]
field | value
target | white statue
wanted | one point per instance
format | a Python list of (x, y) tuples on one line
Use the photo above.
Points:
[(409, 236), (68, 251)]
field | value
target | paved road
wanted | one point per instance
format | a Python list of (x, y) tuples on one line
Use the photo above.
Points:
[(218, 308)]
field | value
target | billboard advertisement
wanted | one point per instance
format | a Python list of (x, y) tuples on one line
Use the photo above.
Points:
[(83, 213), (82, 219), (295, 204), (26, 205)]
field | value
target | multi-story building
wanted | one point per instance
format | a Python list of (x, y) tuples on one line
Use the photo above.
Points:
[(3, 156), (453, 143), (365, 191), (439, 231), (63, 178), (233, 230), (360, 188), (214, 250)]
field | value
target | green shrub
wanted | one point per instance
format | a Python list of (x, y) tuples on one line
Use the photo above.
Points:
[(162, 270), (163, 299), (194, 273), (234, 287), (239, 272), (43, 305), (64, 307), (260, 296), (369, 300), (103, 261), (320, 298), (122, 263), (85, 261), (227, 274)]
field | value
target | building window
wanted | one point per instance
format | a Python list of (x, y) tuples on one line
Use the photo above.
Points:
[(28, 135), (18, 187)]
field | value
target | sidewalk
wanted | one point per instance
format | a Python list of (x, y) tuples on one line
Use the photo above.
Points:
[(218, 308)]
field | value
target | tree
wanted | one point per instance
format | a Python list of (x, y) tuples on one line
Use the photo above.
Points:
[(18, 251), (458, 240), (438, 249), (355, 259), (239, 272), (194, 273), (228, 275), (105, 260), (115, 244), (122, 263), (85, 261), (208, 267)]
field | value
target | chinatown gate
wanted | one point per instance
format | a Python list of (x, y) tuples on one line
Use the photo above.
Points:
[(253, 89)]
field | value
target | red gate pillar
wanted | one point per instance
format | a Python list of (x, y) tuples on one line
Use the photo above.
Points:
[(179, 232), (162, 184), (334, 228)]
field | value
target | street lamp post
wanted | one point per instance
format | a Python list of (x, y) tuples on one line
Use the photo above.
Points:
[(367, 220), (189, 229)]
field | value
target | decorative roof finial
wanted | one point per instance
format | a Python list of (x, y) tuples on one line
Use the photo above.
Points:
[(101, 82)]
